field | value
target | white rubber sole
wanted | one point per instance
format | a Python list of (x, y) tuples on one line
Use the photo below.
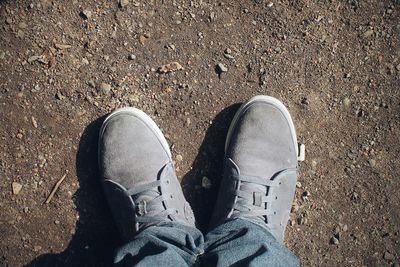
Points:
[(271, 101), (143, 117)]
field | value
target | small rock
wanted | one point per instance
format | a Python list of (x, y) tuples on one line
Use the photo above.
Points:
[(34, 122), (92, 84), (20, 34), (9, 20), (229, 56), (132, 57), (346, 102), (16, 188), (388, 256), (221, 68), (171, 67), (33, 58), (206, 183), (270, 4), (133, 98), (334, 241), (123, 3), (142, 39), (59, 96), (228, 51), (372, 163), (105, 88), (86, 14), (22, 25), (85, 61), (37, 248), (368, 33), (212, 16), (179, 157)]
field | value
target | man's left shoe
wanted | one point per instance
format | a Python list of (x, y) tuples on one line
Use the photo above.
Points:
[(137, 174)]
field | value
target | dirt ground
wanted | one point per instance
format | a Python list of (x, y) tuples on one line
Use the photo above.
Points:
[(64, 65)]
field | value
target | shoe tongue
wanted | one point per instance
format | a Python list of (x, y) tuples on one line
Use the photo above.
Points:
[(251, 187)]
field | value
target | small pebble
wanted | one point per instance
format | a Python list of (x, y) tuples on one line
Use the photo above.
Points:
[(105, 88), (34, 122), (91, 83), (388, 256), (346, 102), (372, 163), (334, 240), (179, 157), (86, 14), (59, 96), (368, 33), (132, 57), (16, 188), (221, 68), (22, 25), (123, 3)]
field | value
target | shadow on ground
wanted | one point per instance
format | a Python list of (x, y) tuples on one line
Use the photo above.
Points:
[(95, 236), (208, 163)]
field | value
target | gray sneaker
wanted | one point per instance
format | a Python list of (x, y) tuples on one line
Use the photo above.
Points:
[(137, 174), (260, 170)]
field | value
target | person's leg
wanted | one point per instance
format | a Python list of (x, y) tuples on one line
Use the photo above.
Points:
[(257, 189), (167, 244), (240, 242), (145, 197)]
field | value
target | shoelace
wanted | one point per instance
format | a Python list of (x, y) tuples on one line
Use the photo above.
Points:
[(149, 203), (253, 196)]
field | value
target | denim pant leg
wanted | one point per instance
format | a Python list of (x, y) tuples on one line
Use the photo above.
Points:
[(166, 244), (239, 242)]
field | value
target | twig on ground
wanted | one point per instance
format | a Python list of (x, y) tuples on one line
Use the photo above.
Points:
[(56, 186)]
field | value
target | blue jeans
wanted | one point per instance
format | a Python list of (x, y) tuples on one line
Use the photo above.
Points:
[(237, 242)]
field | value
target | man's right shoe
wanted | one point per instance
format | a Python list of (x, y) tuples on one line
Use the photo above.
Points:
[(260, 168), (137, 174)]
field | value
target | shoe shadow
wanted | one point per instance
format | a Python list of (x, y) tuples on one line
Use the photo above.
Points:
[(208, 163), (95, 235)]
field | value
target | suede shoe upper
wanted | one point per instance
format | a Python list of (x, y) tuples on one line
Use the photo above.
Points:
[(260, 170), (138, 177)]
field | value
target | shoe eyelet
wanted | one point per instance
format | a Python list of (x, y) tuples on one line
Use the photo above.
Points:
[(171, 196), (274, 212), (167, 181), (276, 198), (176, 211)]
